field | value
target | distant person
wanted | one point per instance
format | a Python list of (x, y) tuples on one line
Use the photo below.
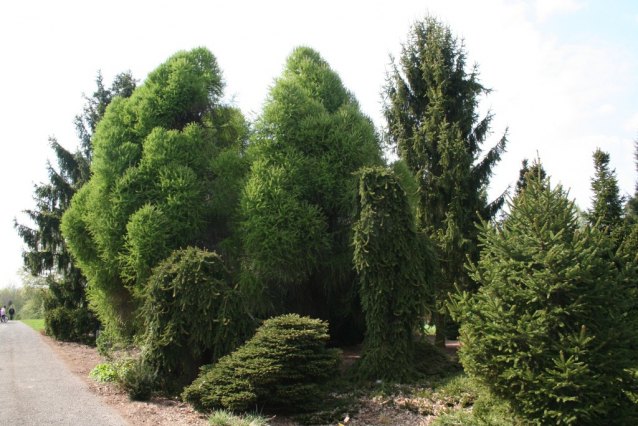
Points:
[(11, 312), (3, 313)]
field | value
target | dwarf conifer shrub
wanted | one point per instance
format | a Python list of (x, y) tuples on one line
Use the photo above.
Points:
[(283, 367), (552, 329), (192, 315)]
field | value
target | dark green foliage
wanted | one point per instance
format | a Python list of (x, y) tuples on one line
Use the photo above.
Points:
[(552, 329), (70, 325), (296, 205), (138, 379), (47, 250), (283, 367), (192, 316), (607, 204), (157, 156), (430, 104), (396, 267)]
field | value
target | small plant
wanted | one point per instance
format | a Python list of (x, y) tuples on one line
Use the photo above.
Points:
[(138, 380), (104, 373), (226, 418)]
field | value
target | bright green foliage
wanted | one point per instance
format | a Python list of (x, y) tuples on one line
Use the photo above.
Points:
[(226, 418), (156, 159), (395, 267), (191, 315), (47, 250), (552, 329), (283, 367), (536, 170), (430, 104), (607, 204), (296, 204)]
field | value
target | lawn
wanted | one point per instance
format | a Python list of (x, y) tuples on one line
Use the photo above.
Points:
[(36, 324)]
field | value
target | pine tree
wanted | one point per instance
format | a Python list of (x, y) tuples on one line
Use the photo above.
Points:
[(552, 329), (430, 105), (607, 205), (296, 205), (47, 252)]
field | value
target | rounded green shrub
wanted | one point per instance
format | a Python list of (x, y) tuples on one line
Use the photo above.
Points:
[(283, 367), (553, 328), (192, 315), (70, 325)]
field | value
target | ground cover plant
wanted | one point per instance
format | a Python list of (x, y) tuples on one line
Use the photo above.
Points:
[(552, 330)]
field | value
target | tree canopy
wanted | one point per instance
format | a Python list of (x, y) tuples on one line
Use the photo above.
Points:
[(296, 205), (430, 104), (152, 188)]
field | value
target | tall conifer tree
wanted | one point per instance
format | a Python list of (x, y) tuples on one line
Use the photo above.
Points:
[(607, 204), (297, 201), (158, 182), (47, 250), (430, 105)]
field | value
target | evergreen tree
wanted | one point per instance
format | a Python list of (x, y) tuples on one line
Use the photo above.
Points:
[(47, 252), (552, 329), (154, 185), (607, 205), (296, 205), (536, 170), (396, 266), (430, 105)]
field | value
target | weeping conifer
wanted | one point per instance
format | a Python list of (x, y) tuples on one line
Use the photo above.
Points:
[(396, 268)]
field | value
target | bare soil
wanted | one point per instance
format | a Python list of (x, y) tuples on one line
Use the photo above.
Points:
[(396, 410)]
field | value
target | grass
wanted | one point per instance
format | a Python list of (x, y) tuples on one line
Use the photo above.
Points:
[(36, 324)]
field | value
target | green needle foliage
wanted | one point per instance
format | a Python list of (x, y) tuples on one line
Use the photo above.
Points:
[(396, 267), (153, 188), (66, 309), (296, 205), (552, 329), (191, 315), (430, 104), (607, 204), (283, 367)]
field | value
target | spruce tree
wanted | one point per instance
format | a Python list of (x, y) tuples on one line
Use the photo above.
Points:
[(552, 328), (535, 170), (396, 268), (430, 104), (158, 182), (47, 252), (297, 204), (607, 205)]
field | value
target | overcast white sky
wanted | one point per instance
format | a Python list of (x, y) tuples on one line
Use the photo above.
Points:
[(564, 72)]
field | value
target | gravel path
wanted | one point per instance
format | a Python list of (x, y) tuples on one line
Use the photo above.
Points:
[(37, 387)]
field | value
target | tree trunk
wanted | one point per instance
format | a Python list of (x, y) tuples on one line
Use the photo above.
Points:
[(439, 321)]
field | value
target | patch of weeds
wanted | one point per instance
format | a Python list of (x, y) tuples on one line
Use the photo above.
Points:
[(227, 418), (104, 373), (474, 405)]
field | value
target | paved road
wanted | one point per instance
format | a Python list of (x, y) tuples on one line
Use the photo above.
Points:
[(38, 389)]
